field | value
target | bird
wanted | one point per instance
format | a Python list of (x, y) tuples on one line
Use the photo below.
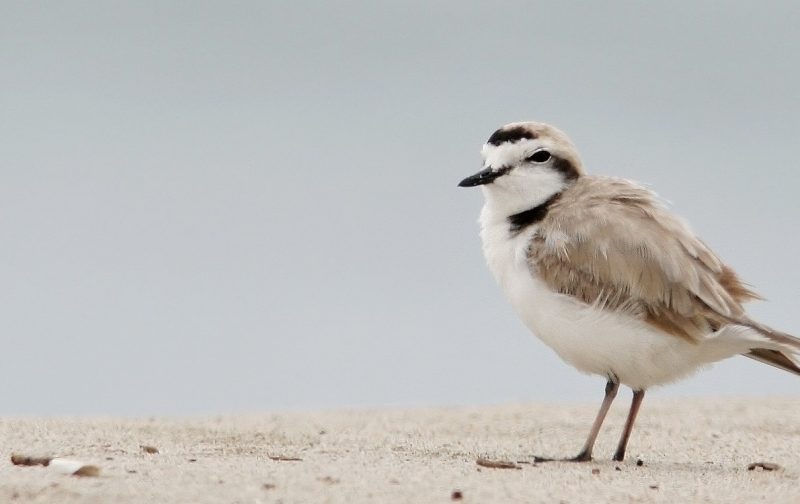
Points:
[(602, 271)]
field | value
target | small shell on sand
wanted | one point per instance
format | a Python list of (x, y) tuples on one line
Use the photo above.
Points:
[(497, 464), (764, 466), (74, 467), (59, 465)]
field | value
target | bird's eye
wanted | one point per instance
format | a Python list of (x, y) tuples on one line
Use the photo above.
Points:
[(540, 156)]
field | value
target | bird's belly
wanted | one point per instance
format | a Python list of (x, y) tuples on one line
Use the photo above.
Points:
[(610, 344)]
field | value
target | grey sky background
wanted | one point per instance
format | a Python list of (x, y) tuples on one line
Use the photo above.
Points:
[(212, 207)]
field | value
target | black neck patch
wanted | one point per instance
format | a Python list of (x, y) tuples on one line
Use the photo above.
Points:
[(510, 135), (520, 221), (565, 168)]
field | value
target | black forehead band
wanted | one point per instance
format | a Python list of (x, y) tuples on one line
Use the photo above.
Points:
[(511, 135)]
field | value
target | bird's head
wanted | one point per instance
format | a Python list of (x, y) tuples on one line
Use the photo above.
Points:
[(525, 164)]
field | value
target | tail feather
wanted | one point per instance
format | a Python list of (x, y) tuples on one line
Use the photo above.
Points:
[(774, 358), (783, 348)]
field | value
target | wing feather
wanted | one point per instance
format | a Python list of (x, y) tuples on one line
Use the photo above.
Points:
[(613, 243)]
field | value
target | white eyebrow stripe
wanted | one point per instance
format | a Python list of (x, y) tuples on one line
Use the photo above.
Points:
[(508, 153)]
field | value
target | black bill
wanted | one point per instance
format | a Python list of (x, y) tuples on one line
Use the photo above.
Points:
[(485, 176)]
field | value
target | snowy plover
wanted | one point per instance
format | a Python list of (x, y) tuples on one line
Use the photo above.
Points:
[(606, 276)]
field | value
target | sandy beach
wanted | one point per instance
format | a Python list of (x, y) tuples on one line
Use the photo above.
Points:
[(682, 451)]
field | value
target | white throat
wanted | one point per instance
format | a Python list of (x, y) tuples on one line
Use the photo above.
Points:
[(521, 189)]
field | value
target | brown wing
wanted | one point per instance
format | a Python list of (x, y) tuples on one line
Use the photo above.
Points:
[(610, 242)]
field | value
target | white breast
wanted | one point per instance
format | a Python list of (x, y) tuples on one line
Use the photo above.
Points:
[(596, 341)]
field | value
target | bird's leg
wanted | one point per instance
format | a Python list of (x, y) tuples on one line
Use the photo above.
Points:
[(585, 454), (636, 402)]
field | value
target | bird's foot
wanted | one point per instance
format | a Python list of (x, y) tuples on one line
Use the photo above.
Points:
[(581, 457)]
